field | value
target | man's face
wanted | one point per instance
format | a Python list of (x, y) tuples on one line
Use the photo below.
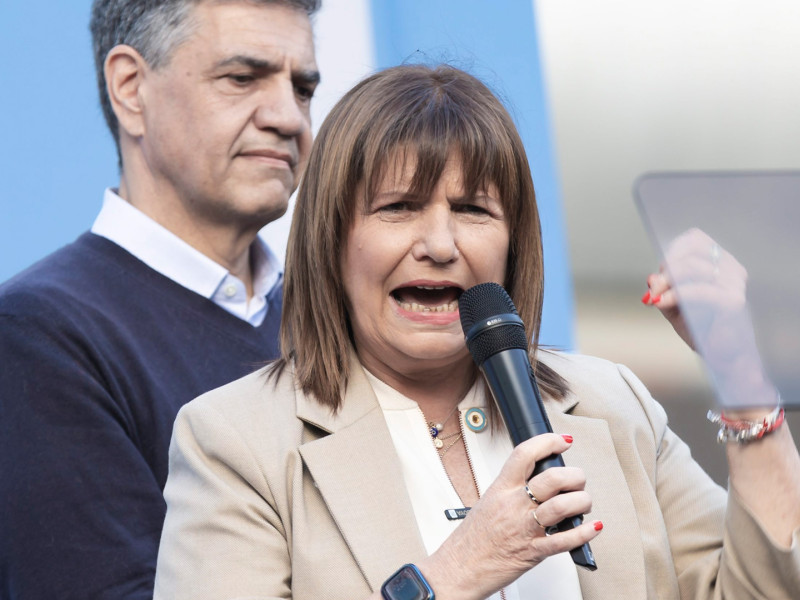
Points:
[(227, 129)]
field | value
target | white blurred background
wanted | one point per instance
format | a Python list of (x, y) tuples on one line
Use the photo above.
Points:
[(636, 86)]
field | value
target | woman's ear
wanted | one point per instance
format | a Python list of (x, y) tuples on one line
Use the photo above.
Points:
[(124, 71)]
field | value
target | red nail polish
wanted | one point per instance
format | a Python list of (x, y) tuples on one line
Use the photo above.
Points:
[(646, 297), (656, 299), (567, 437), (598, 525)]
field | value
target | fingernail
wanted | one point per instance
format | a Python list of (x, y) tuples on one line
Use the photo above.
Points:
[(656, 299), (598, 525), (646, 297), (567, 437)]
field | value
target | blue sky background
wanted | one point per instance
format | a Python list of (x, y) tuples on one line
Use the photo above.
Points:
[(57, 155)]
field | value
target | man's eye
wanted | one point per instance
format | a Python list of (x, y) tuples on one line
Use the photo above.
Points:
[(304, 92), (240, 78)]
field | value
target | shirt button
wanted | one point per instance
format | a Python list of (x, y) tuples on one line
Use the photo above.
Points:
[(230, 290)]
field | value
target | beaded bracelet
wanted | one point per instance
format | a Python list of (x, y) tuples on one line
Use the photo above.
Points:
[(742, 431)]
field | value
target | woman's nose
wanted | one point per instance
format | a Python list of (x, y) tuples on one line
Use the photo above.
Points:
[(436, 237)]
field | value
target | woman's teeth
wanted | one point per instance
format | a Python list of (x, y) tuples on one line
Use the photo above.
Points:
[(414, 307)]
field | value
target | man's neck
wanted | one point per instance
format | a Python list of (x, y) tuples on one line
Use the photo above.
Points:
[(226, 245)]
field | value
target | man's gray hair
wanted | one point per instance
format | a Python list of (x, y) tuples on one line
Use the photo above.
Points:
[(154, 28)]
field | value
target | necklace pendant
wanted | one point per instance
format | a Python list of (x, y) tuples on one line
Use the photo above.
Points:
[(438, 443), (434, 431), (476, 419)]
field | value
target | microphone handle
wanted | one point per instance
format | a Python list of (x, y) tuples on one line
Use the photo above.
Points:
[(526, 419)]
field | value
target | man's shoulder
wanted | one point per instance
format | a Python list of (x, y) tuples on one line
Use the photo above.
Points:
[(82, 290), (64, 272), (92, 275), (48, 282)]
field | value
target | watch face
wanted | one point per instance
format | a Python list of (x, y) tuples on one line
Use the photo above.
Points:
[(406, 585)]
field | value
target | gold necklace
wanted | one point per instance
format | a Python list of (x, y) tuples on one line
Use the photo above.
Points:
[(435, 429), (443, 451)]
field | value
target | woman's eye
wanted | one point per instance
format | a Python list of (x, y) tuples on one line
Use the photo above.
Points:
[(476, 209), (394, 207)]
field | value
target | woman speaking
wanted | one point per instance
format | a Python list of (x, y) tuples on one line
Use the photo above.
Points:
[(345, 469)]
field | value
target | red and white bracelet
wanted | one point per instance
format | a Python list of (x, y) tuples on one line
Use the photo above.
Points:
[(743, 431)]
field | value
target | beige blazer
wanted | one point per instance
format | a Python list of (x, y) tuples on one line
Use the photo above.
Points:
[(272, 496)]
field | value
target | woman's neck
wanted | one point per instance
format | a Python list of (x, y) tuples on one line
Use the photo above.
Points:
[(437, 391)]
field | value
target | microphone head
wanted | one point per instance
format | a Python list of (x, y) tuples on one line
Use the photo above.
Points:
[(481, 303)]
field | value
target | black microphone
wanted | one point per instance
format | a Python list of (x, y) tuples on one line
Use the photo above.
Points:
[(497, 340)]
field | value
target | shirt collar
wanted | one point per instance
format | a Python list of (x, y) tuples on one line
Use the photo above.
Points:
[(163, 251), (266, 268)]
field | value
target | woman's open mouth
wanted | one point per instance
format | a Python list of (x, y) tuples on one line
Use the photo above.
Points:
[(425, 298)]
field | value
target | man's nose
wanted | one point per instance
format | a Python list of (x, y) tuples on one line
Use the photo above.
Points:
[(281, 110)]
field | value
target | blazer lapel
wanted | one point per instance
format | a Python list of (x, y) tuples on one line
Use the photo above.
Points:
[(618, 549), (359, 476)]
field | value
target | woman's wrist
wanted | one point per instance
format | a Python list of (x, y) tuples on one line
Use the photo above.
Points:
[(746, 426), (443, 572)]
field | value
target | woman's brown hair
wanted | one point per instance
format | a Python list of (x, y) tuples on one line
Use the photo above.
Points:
[(427, 113)]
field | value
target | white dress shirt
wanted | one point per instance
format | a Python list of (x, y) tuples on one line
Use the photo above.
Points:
[(432, 493), (165, 252)]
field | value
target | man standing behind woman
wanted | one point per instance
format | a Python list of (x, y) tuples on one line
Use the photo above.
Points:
[(171, 293), (342, 470)]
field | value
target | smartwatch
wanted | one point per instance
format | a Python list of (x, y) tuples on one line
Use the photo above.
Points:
[(407, 584)]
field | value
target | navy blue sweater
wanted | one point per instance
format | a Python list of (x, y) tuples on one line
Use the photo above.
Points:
[(97, 354)]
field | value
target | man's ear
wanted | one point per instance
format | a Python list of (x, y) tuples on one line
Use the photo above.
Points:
[(125, 70)]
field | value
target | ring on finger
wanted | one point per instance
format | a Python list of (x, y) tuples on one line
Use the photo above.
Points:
[(531, 496), (538, 522)]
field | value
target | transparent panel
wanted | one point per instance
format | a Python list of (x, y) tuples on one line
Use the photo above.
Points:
[(729, 243)]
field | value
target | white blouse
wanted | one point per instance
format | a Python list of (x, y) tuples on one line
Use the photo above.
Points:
[(432, 493)]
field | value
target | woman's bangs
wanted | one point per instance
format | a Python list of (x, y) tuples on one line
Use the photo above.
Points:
[(429, 138)]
